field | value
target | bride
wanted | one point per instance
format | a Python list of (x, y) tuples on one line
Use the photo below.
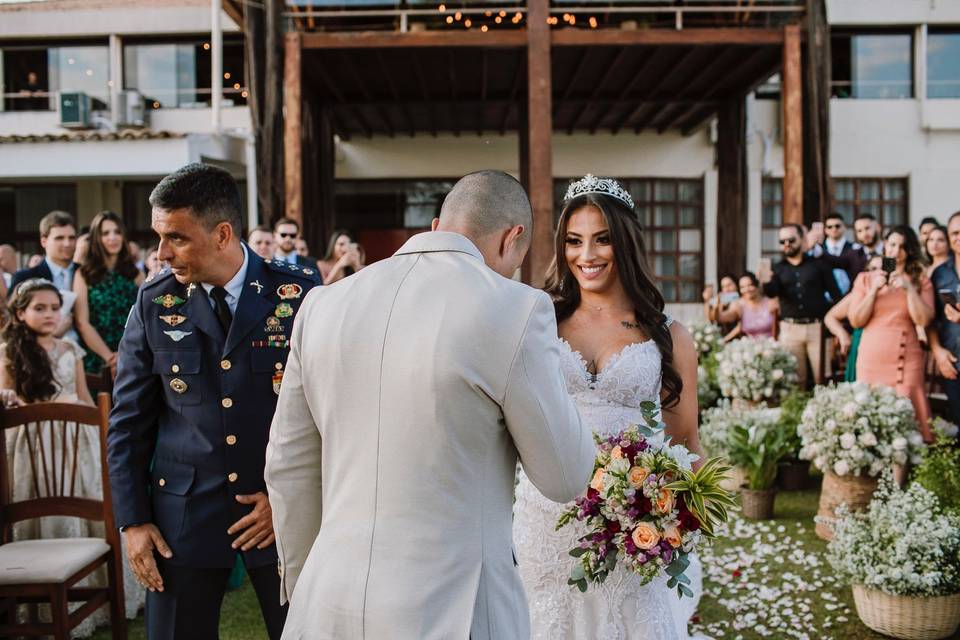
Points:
[(619, 349)]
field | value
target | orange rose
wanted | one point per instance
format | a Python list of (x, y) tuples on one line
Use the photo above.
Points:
[(597, 482), (636, 476), (672, 535), (665, 501), (645, 536), (616, 453)]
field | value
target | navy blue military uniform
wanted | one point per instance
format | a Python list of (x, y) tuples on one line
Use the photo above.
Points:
[(191, 419)]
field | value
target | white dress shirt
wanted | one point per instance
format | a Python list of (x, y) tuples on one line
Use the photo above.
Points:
[(234, 287)]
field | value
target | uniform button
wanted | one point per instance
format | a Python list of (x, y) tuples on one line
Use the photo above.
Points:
[(231, 439), (227, 403), (278, 366), (175, 368), (232, 477), (162, 482), (225, 365)]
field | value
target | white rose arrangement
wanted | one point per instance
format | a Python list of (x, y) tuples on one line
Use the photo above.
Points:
[(856, 429), (756, 370), (904, 544), (706, 338)]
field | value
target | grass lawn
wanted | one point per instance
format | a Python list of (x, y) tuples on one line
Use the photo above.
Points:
[(762, 580)]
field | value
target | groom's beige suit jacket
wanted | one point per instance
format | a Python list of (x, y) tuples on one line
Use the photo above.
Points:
[(410, 389)]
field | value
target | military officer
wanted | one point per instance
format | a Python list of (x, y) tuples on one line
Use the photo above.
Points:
[(199, 370)]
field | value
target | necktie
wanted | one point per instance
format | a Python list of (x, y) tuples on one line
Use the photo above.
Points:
[(221, 308)]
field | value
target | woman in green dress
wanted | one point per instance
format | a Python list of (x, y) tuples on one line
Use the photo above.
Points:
[(106, 287)]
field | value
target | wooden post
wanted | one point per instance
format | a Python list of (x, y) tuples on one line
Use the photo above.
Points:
[(292, 126), (792, 127), (732, 186), (539, 120), (327, 161)]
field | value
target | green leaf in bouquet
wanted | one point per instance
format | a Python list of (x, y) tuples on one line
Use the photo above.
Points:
[(683, 590), (674, 569), (672, 582), (577, 572), (576, 552), (610, 562)]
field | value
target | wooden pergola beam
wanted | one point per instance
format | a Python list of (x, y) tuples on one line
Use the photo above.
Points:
[(483, 90), (365, 92), (234, 9), (682, 62), (709, 71), (514, 89), (659, 37), (418, 71), (332, 87), (292, 124), (581, 67), (419, 39), (388, 80), (611, 69), (792, 126)]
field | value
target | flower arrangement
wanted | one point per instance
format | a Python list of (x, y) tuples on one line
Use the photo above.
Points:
[(939, 472), (756, 370), (706, 338), (645, 507), (708, 391), (757, 450), (857, 429), (717, 423), (791, 413), (904, 544)]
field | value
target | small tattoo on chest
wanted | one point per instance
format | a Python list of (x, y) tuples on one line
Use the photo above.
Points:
[(630, 325)]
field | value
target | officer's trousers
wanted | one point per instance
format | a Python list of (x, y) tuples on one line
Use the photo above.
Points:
[(189, 606)]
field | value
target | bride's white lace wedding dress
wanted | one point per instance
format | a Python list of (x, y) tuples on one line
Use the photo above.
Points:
[(620, 608)]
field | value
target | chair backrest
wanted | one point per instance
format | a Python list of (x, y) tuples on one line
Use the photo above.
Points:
[(49, 433)]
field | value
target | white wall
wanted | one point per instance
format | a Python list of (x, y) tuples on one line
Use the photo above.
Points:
[(892, 12)]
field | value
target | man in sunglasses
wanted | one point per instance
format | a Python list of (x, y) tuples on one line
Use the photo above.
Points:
[(806, 289), (837, 245), (285, 234)]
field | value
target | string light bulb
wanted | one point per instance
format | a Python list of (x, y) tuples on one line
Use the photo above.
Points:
[(503, 14), (573, 19), (206, 46), (483, 28), (468, 23), (498, 19), (457, 16), (449, 19), (593, 22), (442, 8), (226, 76)]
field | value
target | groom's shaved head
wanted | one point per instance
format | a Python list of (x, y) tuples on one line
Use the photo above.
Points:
[(486, 202)]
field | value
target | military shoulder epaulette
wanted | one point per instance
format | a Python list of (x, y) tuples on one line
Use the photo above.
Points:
[(307, 273), (161, 276)]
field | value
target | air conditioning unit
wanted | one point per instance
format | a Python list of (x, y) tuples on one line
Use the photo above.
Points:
[(74, 109), (131, 110)]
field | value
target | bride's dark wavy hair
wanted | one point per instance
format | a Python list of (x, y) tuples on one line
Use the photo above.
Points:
[(630, 258), (28, 364)]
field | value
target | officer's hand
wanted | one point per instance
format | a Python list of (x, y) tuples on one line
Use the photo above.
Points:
[(946, 363), (141, 541), (257, 526)]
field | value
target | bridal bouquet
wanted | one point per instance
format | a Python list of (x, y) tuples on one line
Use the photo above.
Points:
[(645, 507)]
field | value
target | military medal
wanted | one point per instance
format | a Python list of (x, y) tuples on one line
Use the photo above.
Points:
[(273, 325), (168, 300), (277, 379), (178, 385), (309, 272), (173, 319), (191, 288), (284, 310), (178, 335), (256, 283), (289, 291)]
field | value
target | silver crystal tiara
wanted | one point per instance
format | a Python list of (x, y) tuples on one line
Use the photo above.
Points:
[(592, 184)]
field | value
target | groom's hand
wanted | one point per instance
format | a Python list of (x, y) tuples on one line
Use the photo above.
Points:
[(141, 541), (257, 526)]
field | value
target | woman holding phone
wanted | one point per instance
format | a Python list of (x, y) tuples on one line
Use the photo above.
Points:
[(888, 304), (344, 257)]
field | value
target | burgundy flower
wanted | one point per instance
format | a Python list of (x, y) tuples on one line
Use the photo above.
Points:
[(629, 547), (613, 526)]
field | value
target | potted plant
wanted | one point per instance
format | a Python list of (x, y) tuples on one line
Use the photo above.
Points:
[(716, 425), (853, 432), (794, 473), (902, 558), (939, 472), (757, 450), (751, 372)]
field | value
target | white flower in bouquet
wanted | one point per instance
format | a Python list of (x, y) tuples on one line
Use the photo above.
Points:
[(856, 429), (904, 544), (756, 370)]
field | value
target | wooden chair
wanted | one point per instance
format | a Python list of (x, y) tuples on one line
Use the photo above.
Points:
[(46, 570), (100, 383)]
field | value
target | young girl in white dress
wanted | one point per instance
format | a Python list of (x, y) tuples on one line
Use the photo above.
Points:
[(35, 366), (619, 350)]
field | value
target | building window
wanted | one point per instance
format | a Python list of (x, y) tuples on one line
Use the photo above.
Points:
[(872, 65), (943, 64), (177, 74), (671, 212), (389, 204), (885, 198), (32, 76), (22, 207), (771, 217)]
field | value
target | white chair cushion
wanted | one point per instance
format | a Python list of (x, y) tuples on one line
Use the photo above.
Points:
[(47, 561)]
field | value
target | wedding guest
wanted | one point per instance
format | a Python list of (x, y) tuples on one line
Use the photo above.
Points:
[(36, 366), (137, 254), (58, 237), (151, 263), (755, 313), (805, 286), (343, 258), (945, 341), (937, 248), (261, 241), (888, 306), (34, 260), (285, 234), (848, 342), (83, 246), (927, 225), (713, 305), (301, 247), (106, 288), (8, 262), (836, 244)]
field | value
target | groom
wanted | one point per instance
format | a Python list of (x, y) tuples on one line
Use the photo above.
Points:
[(411, 388)]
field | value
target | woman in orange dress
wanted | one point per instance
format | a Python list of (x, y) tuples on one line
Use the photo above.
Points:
[(889, 307)]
